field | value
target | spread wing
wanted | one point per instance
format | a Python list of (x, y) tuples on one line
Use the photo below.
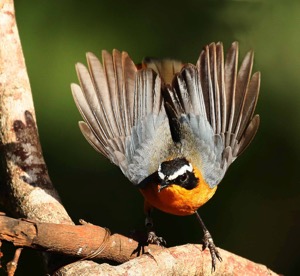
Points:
[(206, 113), (122, 111), (216, 101)]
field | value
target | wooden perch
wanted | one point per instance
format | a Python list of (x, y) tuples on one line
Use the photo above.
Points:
[(77, 241), (27, 191), (82, 240)]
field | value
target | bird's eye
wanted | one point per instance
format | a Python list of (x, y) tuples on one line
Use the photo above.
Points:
[(183, 178)]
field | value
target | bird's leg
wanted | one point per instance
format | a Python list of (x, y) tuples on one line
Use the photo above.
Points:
[(208, 242), (152, 237)]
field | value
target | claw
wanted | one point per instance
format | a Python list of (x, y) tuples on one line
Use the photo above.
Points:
[(154, 239), (209, 243)]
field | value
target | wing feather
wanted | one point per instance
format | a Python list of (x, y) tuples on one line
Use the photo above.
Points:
[(105, 101), (129, 73), (230, 74), (243, 79), (219, 101), (206, 82), (250, 102), (122, 108), (95, 92), (88, 116), (232, 102), (215, 85), (112, 83), (222, 118), (206, 109)]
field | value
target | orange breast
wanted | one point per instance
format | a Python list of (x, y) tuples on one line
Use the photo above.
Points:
[(177, 200)]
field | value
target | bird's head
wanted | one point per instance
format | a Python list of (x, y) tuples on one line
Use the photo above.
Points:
[(178, 171)]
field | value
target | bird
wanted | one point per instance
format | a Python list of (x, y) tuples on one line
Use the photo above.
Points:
[(173, 128)]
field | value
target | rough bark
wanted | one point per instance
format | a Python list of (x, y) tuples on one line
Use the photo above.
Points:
[(80, 241), (25, 187)]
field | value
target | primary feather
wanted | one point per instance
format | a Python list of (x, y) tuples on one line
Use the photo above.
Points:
[(218, 102), (139, 118)]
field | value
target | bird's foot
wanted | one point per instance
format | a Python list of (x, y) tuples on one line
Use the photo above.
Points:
[(154, 239), (209, 243)]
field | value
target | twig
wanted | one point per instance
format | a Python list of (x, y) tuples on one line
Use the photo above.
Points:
[(12, 265), (1, 254)]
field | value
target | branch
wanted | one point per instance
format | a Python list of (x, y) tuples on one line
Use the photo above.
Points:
[(80, 241), (26, 189)]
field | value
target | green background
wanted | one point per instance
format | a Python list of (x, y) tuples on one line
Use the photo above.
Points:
[(255, 212)]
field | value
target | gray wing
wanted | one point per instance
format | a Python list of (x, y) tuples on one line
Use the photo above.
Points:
[(217, 103), (122, 111)]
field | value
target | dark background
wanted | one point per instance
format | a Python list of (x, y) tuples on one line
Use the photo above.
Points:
[(255, 212)]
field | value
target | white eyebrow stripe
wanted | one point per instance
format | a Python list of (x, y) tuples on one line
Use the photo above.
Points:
[(161, 175), (181, 171)]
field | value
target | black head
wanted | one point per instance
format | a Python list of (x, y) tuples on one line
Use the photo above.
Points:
[(177, 171)]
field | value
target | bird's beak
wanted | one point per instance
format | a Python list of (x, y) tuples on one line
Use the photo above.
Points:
[(163, 184)]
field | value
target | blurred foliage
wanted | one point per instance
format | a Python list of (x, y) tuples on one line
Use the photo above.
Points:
[(255, 212)]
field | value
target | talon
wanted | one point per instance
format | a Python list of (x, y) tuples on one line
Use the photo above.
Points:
[(154, 239), (209, 243)]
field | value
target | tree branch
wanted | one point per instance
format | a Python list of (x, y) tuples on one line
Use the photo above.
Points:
[(26, 190), (80, 241)]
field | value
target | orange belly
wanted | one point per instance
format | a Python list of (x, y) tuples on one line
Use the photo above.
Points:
[(177, 200)]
